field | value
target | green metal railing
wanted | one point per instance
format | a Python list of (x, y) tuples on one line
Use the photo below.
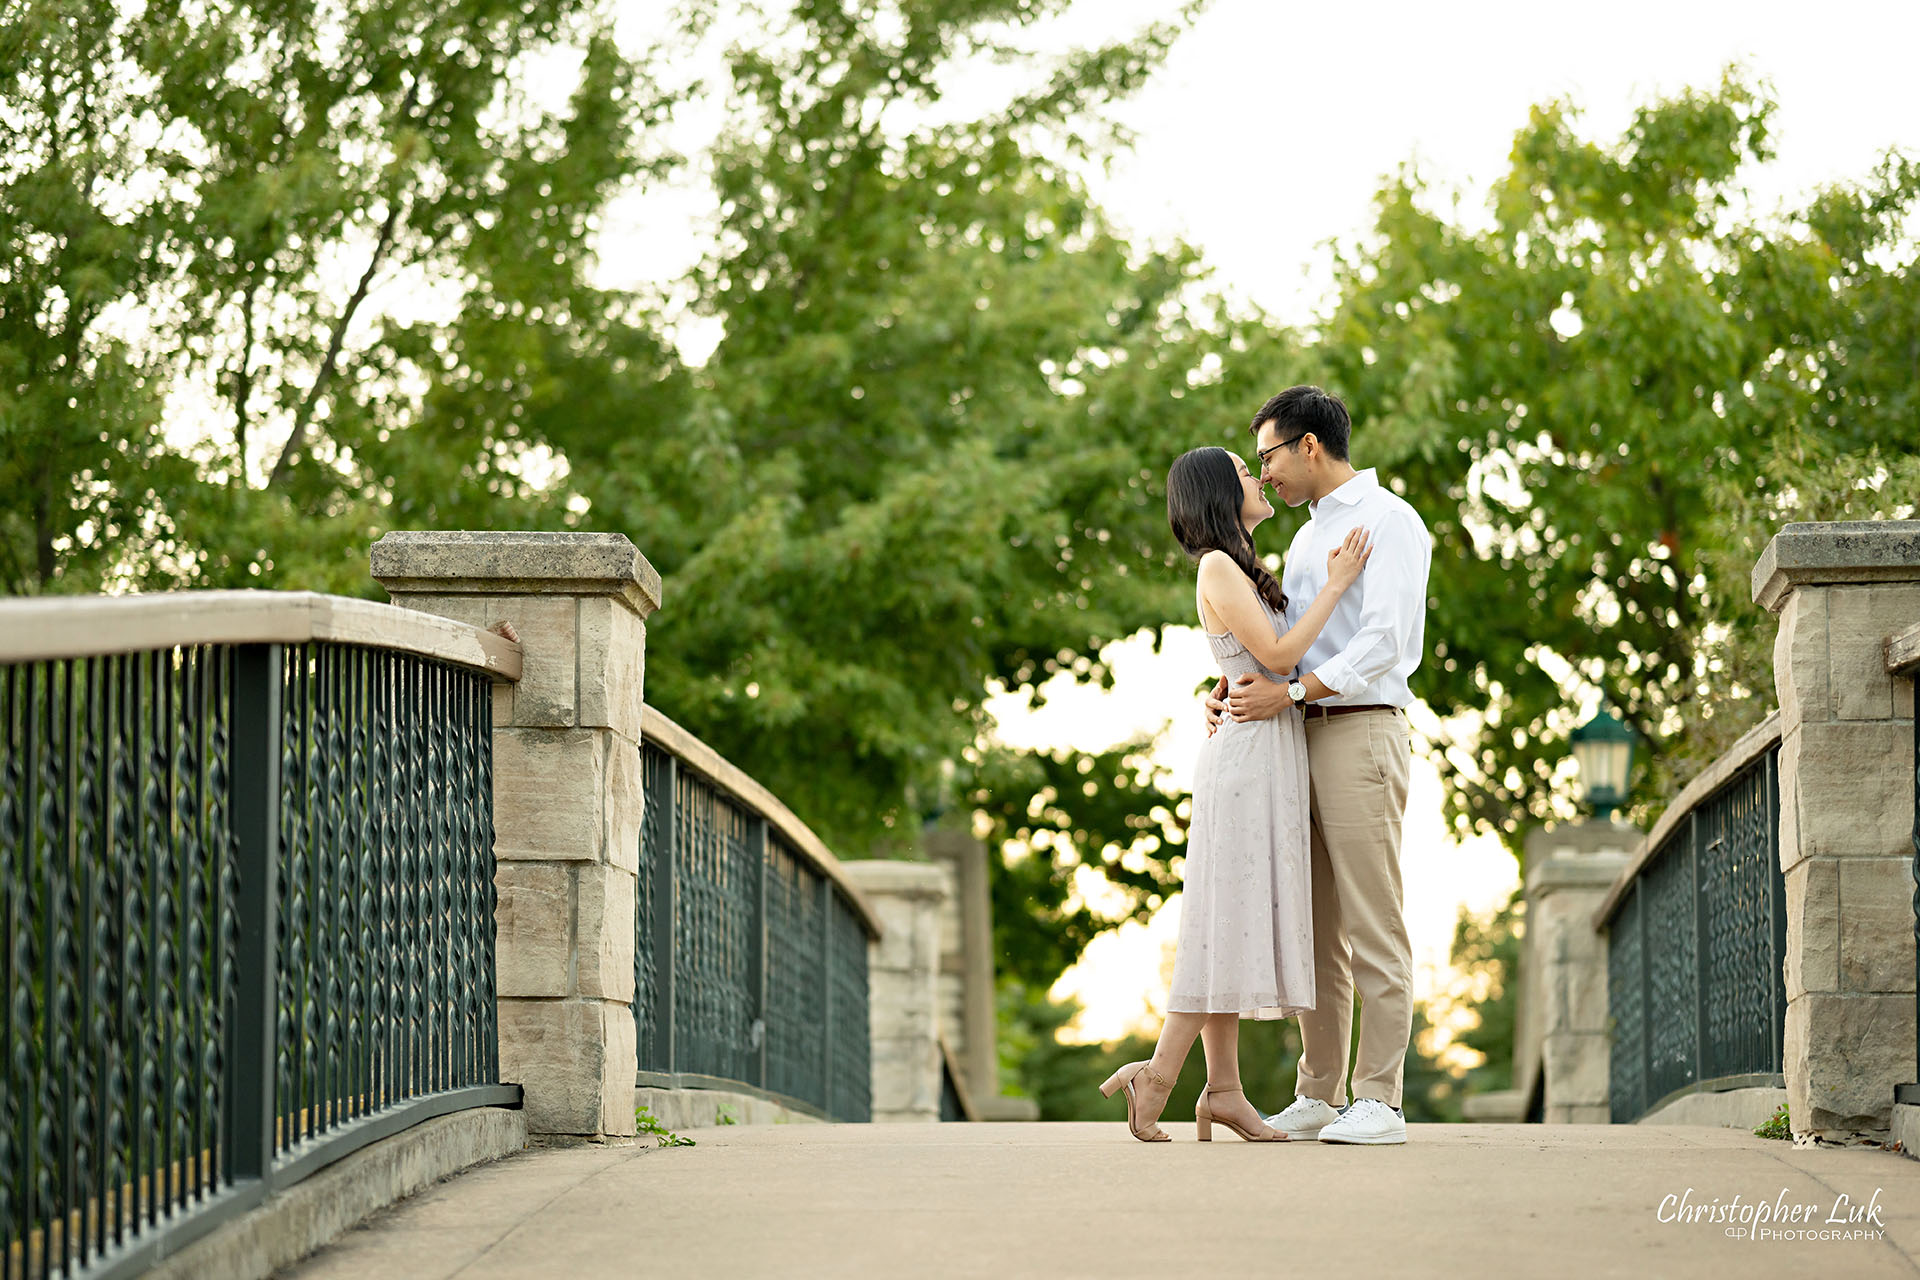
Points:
[(1695, 946), (750, 963), (248, 906)]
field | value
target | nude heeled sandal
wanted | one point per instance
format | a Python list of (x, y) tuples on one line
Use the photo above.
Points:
[(1123, 1079), (1203, 1119)]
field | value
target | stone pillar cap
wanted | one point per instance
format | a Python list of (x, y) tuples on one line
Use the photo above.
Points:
[(431, 562), (893, 878), (1596, 871), (1573, 855), (1839, 551), (1590, 836)]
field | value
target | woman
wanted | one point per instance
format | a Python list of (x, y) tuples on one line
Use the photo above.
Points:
[(1246, 910)]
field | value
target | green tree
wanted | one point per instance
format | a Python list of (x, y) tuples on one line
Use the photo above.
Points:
[(406, 143), (80, 448), (925, 455), (351, 242), (1431, 1090), (927, 452), (1487, 951), (1051, 814), (1062, 1078), (1804, 480), (1566, 392)]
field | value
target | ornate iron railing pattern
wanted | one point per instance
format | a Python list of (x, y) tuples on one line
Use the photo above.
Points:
[(119, 875), (248, 903), (1626, 989), (1696, 988), (850, 1067), (716, 883), (797, 913), (1742, 926), (650, 1030), (386, 978), (750, 964), (1672, 969)]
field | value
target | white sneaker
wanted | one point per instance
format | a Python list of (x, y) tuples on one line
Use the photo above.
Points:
[(1368, 1122), (1304, 1119)]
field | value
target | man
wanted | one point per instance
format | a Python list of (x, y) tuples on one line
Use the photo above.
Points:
[(1353, 694)]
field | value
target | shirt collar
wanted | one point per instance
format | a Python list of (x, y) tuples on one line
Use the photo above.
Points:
[(1350, 493)]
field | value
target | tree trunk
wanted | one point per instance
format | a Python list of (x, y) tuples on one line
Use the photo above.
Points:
[(43, 564)]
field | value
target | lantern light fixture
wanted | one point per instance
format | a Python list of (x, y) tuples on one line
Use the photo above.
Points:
[(1603, 753)]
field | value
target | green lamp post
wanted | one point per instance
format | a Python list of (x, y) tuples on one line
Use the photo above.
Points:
[(1603, 752)]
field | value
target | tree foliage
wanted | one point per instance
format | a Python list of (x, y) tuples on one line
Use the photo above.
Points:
[(1487, 951), (926, 453), (280, 278), (1575, 396), (81, 456), (1058, 818), (355, 244)]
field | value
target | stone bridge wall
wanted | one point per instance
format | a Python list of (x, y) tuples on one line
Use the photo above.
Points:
[(1846, 816)]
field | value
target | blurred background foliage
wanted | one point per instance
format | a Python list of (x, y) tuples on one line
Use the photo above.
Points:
[(1476, 1056), (280, 278)]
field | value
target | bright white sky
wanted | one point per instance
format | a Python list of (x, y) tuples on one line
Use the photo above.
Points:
[(1266, 136)]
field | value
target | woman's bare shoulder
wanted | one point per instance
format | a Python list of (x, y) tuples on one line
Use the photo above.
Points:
[(1218, 566)]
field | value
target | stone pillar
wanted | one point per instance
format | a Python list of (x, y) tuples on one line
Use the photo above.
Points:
[(1563, 1005), (969, 1011), (567, 800), (903, 977), (966, 961), (1846, 816)]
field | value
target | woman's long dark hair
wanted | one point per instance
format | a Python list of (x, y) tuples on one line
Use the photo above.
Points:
[(1203, 506)]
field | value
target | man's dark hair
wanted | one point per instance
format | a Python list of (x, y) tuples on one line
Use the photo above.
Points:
[(1304, 410)]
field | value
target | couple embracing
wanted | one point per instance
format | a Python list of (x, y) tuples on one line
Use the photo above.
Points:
[(1292, 898)]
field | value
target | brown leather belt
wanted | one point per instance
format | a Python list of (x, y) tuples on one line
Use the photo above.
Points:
[(1316, 712)]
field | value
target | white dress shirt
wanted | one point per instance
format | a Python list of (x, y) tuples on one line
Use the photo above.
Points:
[(1377, 633)]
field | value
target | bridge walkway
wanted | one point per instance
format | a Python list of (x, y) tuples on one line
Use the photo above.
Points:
[(1082, 1200)]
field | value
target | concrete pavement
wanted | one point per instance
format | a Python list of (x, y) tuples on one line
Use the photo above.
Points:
[(1072, 1200)]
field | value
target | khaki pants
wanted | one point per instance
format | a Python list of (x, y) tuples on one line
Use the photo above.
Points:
[(1358, 763)]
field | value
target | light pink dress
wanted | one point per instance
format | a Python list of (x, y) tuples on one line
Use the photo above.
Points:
[(1246, 910)]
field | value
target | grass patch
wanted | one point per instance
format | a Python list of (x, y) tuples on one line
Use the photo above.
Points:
[(648, 1124), (1776, 1127)]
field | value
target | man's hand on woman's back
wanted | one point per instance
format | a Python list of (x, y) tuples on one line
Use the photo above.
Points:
[(1216, 705)]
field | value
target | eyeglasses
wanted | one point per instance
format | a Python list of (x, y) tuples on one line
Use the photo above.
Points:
[(1265, 454)]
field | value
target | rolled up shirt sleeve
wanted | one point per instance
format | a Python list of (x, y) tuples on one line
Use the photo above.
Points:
[(1391, 614)]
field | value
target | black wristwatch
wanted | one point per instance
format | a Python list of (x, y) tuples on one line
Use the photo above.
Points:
[(1298, 692)]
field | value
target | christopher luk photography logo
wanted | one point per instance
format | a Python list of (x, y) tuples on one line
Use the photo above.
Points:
[(1779, 1219)]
